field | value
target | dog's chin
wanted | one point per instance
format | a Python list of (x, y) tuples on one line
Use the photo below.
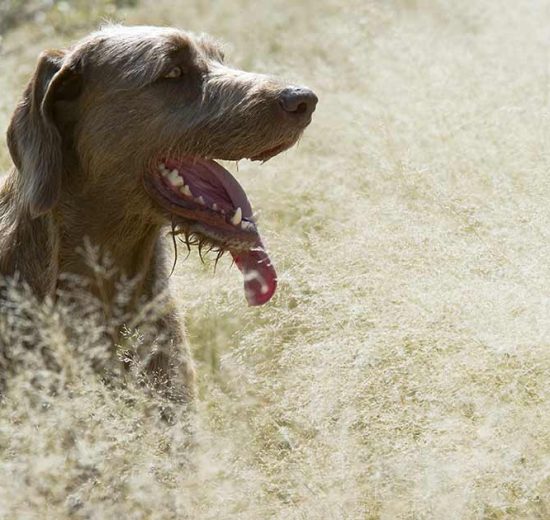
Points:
[(272, 152), (207, 205), (262, 155)]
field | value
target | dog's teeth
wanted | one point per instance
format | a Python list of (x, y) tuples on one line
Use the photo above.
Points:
[(186, 190), (175, 179), (200, 200), (237, 217), (215, 207)]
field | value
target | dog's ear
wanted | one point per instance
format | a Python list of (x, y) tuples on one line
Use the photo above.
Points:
[(34, 140)]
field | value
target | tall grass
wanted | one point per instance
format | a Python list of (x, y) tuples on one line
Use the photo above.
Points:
[(402, 370)]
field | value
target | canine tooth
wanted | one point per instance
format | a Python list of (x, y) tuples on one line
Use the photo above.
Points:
[(237, 217), (200, 200), (186, 190)]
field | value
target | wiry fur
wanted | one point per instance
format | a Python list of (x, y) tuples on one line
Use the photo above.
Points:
[(92, 120)]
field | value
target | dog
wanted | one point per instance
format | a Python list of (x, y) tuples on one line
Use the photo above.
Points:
[(115, 139)]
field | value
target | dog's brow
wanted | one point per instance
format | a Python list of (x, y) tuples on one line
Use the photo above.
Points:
[(147, 65)]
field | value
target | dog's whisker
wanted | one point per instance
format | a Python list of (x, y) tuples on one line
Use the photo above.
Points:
[(175, 248)]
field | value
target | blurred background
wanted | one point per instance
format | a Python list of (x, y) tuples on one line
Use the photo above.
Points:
[(53, 14), (402, 369)]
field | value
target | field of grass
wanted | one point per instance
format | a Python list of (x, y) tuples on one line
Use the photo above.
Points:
[(402, 371)]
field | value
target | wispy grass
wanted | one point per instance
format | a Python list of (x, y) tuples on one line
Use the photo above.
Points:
[(402, 370)]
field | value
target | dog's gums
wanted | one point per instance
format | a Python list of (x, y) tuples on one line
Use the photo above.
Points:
[(204, 199)]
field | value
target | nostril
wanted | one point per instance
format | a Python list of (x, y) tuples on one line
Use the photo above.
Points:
[(288, 103), (301, 108)]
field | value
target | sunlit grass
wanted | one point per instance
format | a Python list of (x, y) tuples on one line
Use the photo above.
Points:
[(402, 369)]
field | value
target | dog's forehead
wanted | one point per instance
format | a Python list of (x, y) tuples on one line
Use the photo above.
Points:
[(135, 54), (129, 39), (128, 48)]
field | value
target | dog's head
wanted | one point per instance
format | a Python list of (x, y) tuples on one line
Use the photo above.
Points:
[(145, 112)]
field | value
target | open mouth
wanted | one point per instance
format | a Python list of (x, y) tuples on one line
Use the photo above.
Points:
[(207, 202)]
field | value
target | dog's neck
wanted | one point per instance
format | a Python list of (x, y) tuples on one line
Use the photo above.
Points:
[(108, 228)]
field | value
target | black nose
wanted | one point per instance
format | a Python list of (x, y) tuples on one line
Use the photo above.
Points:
[(298, 101)]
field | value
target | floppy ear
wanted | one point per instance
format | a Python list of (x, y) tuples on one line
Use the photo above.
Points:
[(34, 141)]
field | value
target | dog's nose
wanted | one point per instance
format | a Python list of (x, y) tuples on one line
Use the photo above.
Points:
[(300, 102)]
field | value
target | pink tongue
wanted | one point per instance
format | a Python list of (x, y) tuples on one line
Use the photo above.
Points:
[(260, 278)]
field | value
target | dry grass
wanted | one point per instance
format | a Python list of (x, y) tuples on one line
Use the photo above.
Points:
[(402, 371)]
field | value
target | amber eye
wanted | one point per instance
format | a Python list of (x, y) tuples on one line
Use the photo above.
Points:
[(175, 72)]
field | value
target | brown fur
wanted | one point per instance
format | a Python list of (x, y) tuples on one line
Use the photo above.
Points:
[(91, 120)]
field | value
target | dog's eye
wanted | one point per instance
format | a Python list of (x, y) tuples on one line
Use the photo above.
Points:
[(174, 72)]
